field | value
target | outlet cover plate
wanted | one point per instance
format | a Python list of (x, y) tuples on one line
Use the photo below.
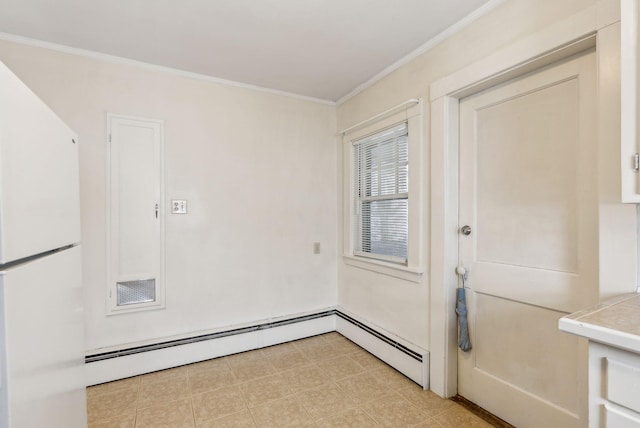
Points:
[(178, 206)]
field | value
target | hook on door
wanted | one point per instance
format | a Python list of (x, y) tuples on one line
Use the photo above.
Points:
[(463, 273)]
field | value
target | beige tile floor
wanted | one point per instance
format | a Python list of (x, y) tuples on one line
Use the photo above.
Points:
[(323, 381)]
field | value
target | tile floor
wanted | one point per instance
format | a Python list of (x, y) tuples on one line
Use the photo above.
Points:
[(323, 381)]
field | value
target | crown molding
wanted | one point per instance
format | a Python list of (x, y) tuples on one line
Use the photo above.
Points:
[(153, 67), (424, 48)]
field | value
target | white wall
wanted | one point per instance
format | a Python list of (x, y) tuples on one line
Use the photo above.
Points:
[(247, 162), (399, 306), (257, 169)]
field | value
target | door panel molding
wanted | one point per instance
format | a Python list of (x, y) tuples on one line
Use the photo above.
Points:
[(528, 188), (135, 267), (445, 95), (617, 272)]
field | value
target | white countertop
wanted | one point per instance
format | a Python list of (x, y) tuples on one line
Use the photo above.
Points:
[(615, 322)]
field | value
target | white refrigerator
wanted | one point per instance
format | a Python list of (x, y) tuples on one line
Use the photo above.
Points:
[(42, 380)]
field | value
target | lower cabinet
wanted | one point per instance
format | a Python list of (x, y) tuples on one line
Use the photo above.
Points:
[(614, 387)]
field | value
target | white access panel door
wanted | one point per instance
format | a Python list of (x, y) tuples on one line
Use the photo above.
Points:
[(39, 203), (42, 378), (528, 190), (135, 213), (629, 96)]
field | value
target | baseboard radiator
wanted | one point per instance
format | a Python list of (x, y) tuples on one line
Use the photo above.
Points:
[(109, 365), (407, 358)]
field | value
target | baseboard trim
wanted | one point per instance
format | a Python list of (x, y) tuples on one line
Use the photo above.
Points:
[(135, 360), (395, 344), (408, 359), (200, 338)]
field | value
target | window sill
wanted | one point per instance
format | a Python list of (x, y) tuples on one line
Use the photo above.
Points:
[(385, 268)]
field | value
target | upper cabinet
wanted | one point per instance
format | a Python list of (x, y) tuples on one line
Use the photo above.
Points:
[(629, 76)]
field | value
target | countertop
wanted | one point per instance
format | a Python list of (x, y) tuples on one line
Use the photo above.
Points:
[(615, 322)]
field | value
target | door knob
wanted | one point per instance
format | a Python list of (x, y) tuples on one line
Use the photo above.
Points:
[(465, 230)]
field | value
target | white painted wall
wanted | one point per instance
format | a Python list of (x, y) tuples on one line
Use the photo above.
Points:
[(258, 171), (402, 307), (247, 162)]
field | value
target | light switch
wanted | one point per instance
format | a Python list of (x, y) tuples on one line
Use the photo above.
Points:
[(316, 248), (178, 206)]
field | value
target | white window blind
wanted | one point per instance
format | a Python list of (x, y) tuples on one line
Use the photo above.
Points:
[(381, 194)]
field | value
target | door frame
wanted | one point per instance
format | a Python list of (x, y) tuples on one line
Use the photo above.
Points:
[(597, 25), (110, 296)]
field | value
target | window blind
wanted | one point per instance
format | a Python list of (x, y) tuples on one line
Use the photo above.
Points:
[(381, 194)]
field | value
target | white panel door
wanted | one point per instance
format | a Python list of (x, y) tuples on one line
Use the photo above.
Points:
[(528, 192), (135, 213), (39, 187)]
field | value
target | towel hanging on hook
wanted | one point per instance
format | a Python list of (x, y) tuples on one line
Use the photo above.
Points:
[(464, 342)]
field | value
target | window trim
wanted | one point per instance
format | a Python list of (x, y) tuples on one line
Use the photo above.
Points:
[(362, 149), (413, 269)]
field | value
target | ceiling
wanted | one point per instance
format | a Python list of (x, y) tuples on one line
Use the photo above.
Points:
[(323, 49)]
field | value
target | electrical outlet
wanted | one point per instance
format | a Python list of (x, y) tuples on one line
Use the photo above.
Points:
[(316, 248), (178, 206)]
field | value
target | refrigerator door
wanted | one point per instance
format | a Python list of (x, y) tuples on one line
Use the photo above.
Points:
[(39, 190), (42, 381)]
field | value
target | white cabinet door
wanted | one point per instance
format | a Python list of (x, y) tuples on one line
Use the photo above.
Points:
[(629, 77), (135, 213), (614, 382)]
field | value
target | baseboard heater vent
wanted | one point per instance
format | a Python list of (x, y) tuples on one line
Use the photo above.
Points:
[(263, 326), (400, 347)]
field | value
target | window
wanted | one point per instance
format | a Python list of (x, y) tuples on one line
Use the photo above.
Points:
[(383, 213), (381, 192)]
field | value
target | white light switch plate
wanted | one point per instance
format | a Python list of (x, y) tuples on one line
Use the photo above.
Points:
[(178, 206)]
